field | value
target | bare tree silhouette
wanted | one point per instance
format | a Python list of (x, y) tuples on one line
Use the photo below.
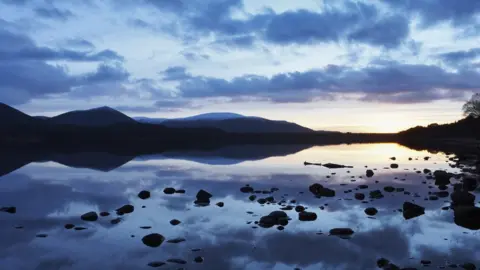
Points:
[(472, 107)]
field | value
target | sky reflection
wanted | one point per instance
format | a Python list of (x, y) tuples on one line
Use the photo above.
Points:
[(49, 195)]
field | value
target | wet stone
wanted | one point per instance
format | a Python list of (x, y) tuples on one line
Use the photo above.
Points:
[(252, 198), (389, 189), (169, 190), (307, 216), (376, 194), (144, 194), (299, 208), (359, 196), (411, 210), (220, 204), (90, 216), (156, 264), (369, 173), (69, 226), (175, 222), (177, 261), (176, 240), (126, 209), (10, 209), (246, 189), (180, 191), (153, 240), (341, 232), (104, 214), (371, 211), (115, 221), (198, 259)]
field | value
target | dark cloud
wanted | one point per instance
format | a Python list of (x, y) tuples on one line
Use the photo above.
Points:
[(137, 109), (191, 56), (391, 81), (79, 43), (18, 47), (459, 13), (460, 57), (104, 73), (388, 32), (53, 13), (176, 73)]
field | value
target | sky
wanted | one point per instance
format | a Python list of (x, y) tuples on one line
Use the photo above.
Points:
[(347, 65)]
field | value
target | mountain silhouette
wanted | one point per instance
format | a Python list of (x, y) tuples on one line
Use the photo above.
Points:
[(102, 116), (240, 125), (10, 116), (203, 116)]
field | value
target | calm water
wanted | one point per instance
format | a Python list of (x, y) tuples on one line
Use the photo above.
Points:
[(49, 195)]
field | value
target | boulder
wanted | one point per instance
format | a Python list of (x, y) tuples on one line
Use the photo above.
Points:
[(462, 198), (369, 173), (442, 178), (246, 189), (169, 190), (360, 196), (341, 232), (371, 211), (126, 209), (274, 218), (411, 210)]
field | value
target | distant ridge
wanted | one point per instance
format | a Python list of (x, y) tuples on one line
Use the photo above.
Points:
[(101, 116), (11, 116)]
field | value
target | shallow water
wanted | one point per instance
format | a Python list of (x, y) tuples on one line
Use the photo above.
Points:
[(49, 195)]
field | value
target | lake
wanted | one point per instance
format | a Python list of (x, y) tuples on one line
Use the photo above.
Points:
[(47, 195)]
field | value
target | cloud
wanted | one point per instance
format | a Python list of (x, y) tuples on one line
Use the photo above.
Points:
[(191, 56), (79, 43), (458, 13), (460, 57), (18, 47), (381, 81), (53, 13)]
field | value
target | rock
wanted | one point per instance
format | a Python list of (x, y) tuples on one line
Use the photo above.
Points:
[(425, 262), (274, 218), (433, 198), (382, 262), (69, 226), (198, 259), (287, 208), (104, 214), (156, 264), (371, 211), (80, 228), (177, 261), (467, 217), (145, 227), (341, 232), (169, 190), (335, 166), (470, 183), (252, 198), (394, 166), (442, 194), (389, 189), (469, 266), (42, 235), (180, 191), (320, 191), (280, 228), (153, 240), (393, 158), (426, 171), (90, 216), (115, 221), (442, 178), (262, 201), (462, 198), (307, 216), (376, 194), (126, 209), (359, 196), (220, 204), (299, 208), (246, 189), (175, 222), (369, 173), (10, 209), (203, 197), (176, 240), (411, 210), (144, 194), (362, 186)]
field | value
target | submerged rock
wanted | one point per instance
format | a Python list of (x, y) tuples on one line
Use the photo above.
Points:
[(115, 221), (10, 209), (69, 226), (252, 198), (376, 194), (104, 214), (246, 189), (156, 264), (341, 232), (153, 240), (389, 189), (176, 240), (359, 196), (90, 216), (411, 210), (307, 216), (144, 194), (177, 261), (198, 259)]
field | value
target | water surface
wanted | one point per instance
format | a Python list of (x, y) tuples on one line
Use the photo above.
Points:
[(49, 195)]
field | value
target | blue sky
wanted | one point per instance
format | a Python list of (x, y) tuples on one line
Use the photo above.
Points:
[(376, 65)]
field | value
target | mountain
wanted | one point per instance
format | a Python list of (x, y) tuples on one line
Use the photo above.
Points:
[(204, 116), (468, 127), (240, 125), (10, 116), (102, 116)]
